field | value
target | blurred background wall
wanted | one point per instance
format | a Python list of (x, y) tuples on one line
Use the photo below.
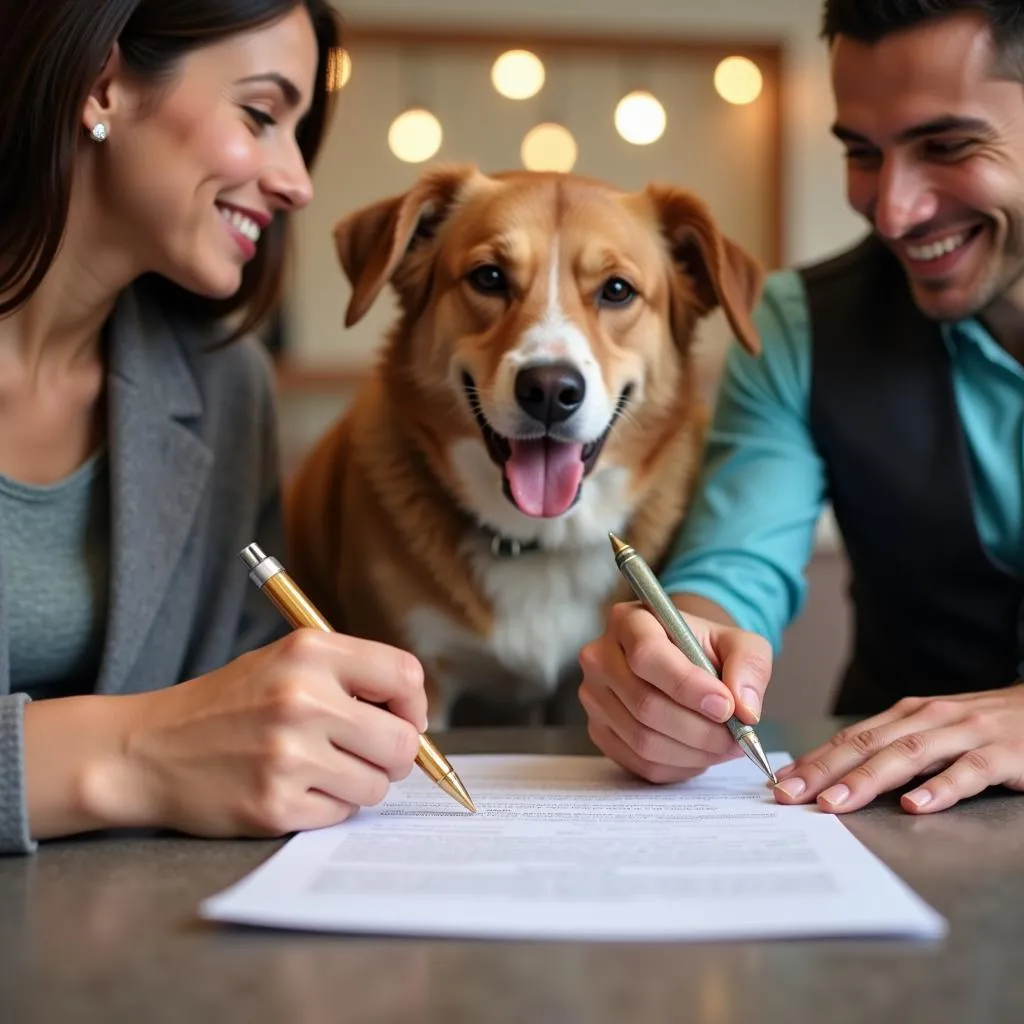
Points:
[(768, 168)]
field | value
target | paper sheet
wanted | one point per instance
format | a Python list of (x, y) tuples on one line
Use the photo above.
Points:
[(573, 848)]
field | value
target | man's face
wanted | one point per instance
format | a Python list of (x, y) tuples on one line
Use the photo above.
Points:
[(933, 129)]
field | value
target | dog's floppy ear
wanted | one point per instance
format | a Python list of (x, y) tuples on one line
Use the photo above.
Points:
[(373, 241), (723, 274)]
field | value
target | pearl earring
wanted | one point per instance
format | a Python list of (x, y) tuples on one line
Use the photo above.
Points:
[(99, 132)]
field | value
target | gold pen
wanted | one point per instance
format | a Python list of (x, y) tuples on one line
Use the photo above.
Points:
[(652, 595), (269, 575)]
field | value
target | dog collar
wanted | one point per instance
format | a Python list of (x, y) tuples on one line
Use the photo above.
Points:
[(509, 547)]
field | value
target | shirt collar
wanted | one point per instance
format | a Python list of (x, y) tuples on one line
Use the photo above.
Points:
[(970, 334)]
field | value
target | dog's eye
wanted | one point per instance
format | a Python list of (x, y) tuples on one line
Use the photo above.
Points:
[(617, 291), (488, 279)]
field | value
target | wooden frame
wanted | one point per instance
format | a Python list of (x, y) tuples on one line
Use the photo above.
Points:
[(768, 55)]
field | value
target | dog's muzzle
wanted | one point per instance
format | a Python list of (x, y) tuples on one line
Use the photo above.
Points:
[(542, 475)]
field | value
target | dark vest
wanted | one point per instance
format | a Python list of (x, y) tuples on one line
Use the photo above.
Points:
[(933, 614)]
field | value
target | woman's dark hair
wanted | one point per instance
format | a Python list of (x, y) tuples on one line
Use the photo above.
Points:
[(868, 21), (52, 53)]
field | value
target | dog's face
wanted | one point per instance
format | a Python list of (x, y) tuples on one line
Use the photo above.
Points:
[(546, 322)]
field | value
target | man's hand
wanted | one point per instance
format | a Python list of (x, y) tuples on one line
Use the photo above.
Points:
[(651, 710), (966, 743)]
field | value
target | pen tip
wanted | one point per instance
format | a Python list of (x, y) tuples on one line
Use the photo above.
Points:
[(618, 546), (453, 786)]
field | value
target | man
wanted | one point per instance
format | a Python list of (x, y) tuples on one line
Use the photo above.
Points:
[(891, 385)]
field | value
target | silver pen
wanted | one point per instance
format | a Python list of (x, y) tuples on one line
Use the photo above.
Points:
[(652, 595)]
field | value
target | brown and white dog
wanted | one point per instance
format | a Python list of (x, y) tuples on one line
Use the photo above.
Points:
[(536, 393)]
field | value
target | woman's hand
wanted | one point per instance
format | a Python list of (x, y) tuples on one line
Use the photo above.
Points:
[(274, 742)]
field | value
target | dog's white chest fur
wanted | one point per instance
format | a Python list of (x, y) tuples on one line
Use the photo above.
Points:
[(546, 607), (546, 604)]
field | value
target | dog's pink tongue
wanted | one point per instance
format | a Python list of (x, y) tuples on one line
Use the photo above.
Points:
[(544, 475)]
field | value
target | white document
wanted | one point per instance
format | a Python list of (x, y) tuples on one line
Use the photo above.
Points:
[(573, 848)]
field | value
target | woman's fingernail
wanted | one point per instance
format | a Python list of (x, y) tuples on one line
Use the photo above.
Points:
[(715, 706), (751, 700), (792, 787), (836, 795), (919, 798)]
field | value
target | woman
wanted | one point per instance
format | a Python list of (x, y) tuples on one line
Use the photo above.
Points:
[(151, 152)]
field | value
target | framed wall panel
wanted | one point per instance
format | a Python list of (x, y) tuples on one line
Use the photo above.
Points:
[(730, 155)]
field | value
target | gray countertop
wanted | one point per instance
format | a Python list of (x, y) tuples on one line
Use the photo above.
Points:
[(104, 929)]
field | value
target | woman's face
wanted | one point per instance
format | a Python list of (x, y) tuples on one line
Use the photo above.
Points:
[(194, 169)]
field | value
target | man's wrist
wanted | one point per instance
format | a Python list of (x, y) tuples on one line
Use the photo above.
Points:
[(694, 604)]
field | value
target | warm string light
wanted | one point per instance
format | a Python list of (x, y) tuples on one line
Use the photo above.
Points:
[(738, 80), (549, 147), (415, 135), (339, 69), (640, 118), (518, 74)]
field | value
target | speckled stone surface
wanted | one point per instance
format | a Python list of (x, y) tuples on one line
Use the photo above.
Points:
[(104, 930)]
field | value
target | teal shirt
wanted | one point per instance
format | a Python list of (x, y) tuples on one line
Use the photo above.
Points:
[(750, 530)]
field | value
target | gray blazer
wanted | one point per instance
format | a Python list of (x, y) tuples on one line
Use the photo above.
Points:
[(194, 478)]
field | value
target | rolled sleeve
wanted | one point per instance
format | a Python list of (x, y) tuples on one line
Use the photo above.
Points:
[(748, 535)]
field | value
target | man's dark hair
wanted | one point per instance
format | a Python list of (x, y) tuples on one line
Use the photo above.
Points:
[(868, 21)]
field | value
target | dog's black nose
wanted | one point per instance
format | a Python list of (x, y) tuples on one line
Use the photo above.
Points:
[(550, 392)]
